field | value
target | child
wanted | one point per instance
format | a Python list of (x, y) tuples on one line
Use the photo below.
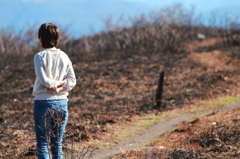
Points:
[(54, 78)]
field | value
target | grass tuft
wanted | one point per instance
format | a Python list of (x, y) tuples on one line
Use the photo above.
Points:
[(211, 104)]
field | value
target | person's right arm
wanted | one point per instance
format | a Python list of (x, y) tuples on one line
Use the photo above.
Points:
[(70, 80), (58, 89), (68, 83), (40, 74)]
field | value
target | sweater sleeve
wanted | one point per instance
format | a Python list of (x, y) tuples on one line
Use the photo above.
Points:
[(40, 73), (70, 78)]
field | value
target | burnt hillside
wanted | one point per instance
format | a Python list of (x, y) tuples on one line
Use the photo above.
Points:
[(117, 73)]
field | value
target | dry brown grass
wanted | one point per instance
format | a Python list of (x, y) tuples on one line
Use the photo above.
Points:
[(116, 78), (112, 92), (216, 135)]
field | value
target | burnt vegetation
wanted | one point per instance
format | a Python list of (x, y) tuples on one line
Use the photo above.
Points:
[(117, 73), (201, 138)]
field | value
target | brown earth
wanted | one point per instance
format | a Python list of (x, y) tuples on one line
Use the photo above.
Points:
[(156, 141), (114, 91)]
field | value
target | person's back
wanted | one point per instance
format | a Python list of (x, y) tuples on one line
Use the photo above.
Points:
[(56, 66), (54, 78)]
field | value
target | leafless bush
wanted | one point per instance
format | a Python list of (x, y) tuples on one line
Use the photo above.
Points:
[(231, 35), (161, 31), (14, 43), (25, 42), (69, 145), (165, 30)]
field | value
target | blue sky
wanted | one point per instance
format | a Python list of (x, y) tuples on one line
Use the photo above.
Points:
[(84, 16)]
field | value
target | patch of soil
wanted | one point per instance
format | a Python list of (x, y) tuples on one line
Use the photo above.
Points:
[(215, 135), (216, 60), (127, 148), (113, 91)]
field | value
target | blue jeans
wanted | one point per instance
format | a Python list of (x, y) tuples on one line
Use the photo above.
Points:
[(50, 118)]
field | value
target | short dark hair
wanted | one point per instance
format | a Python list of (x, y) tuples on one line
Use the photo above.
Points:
[(49, 35)]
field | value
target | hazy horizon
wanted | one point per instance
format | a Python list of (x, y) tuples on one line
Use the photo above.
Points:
[(82, 17)]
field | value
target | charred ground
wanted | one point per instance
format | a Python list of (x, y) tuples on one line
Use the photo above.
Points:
[(113, 91), (116, 83)]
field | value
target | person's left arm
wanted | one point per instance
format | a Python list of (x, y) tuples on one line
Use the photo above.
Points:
[(69, 82)]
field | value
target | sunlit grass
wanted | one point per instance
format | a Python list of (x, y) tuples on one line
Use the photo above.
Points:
[(198, 130), (170, 114), (146, 122), (211, 104), (143, 123)]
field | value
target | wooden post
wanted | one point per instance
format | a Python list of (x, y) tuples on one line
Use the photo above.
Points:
[(159, 90)]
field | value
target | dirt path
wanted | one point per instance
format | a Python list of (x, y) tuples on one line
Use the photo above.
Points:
[(143, 138)]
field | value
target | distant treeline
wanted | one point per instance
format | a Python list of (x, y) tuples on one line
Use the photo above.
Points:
[(167, 30)]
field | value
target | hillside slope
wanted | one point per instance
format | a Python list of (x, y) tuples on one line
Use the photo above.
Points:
[(115, 90)]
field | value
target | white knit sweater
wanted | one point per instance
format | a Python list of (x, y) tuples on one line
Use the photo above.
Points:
[(52, 65)]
